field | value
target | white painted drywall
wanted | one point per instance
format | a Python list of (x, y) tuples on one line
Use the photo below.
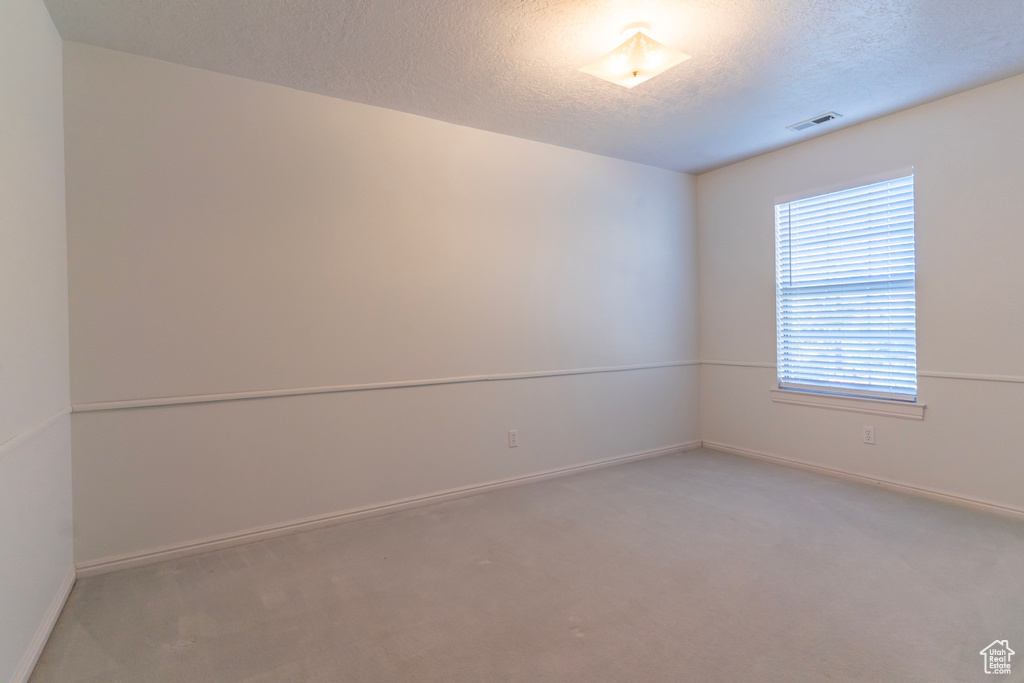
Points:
[(966, 151), (227, 235), (35, 460)]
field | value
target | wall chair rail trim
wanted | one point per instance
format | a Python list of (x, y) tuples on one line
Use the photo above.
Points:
[(371, 386)]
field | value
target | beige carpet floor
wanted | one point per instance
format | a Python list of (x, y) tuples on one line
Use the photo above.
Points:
[(694, 567)]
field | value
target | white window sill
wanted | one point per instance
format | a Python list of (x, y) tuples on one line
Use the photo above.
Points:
[(870, 406)]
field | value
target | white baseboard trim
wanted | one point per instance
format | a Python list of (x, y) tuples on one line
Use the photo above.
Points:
[(129, 560), (873, 481), (35, 648)]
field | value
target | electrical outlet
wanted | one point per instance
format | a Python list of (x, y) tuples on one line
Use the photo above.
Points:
[(513, 438), (869, 434)]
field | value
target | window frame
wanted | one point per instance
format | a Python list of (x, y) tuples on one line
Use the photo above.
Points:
[(869, 401)]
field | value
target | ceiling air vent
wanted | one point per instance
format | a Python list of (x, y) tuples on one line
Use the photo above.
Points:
[(817, 120)]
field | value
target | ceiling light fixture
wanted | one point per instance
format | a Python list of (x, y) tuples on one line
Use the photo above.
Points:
[(639, 59)]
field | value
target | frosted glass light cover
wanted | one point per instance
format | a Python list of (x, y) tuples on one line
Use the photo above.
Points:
[(639, 59)]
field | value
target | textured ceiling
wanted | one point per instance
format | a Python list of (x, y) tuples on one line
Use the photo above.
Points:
[(511, 66)]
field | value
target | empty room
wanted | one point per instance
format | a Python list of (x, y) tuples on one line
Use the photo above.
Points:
[(511, 341)]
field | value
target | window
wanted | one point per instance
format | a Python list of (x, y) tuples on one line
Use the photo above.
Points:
[(845, 300)]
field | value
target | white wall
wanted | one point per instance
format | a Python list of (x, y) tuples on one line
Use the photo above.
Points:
[(966, 151), (35, 461), (231, 236)]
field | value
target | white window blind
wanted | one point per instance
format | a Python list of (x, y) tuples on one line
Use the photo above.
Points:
[(845, 292)]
